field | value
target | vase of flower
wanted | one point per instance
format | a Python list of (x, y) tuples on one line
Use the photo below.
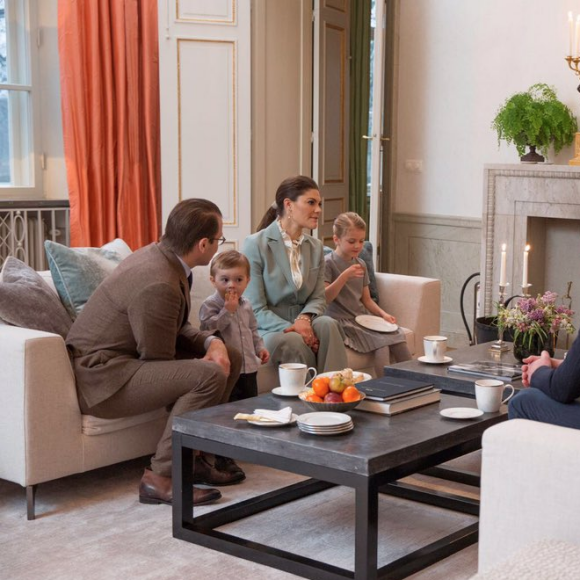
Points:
[(535, 323), (525, 346)]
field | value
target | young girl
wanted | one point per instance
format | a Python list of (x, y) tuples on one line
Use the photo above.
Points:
[(348, 296)]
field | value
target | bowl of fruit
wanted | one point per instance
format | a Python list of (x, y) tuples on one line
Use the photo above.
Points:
[(334, 391)]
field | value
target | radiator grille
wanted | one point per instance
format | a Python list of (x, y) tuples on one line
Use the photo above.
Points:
[(24, 226)]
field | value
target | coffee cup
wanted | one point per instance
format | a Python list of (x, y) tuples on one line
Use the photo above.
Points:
[(293, 377), (489, 393), (435, 348)]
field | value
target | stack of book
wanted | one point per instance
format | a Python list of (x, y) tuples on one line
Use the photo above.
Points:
[(488, 368), (392, 395)]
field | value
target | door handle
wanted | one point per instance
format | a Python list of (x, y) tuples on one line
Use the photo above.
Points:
[(368, 136), (385, 138)]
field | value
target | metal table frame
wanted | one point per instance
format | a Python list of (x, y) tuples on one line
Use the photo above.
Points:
[(201, 530)]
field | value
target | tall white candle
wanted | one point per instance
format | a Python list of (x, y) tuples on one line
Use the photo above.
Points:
[(571, 32), (525, 267), (502, 269)]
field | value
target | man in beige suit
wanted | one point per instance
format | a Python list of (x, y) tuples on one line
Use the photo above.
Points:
[(134, 350)]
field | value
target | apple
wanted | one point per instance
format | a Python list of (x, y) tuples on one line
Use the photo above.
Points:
[(332, 398), (336, 385)]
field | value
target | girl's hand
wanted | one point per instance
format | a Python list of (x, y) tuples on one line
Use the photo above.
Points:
[(354, 271), (389, 318), (232, 301), (264, 356)]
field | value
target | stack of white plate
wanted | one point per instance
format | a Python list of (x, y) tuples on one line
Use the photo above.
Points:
[(325, 423)]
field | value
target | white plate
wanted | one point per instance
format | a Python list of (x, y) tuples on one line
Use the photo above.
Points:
[(278, 391), (358, 377), (461, 413), (376, 323), (424, 359), (326, 433), (275, 423), (324, 419)]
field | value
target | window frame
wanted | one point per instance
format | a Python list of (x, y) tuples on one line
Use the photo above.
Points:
[(24, 121)]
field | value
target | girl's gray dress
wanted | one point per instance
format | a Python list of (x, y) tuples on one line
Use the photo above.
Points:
[(347, 306)]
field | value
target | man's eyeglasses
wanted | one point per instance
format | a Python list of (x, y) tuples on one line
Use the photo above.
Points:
[(220, 241)]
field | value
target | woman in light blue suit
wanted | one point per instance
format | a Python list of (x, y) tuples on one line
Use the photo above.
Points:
[(286, 286)]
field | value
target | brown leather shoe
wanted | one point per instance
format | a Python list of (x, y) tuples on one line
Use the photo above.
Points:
[(155, 489), (205, 473), (228, 465)]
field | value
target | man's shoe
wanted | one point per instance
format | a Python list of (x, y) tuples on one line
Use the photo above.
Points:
[(206, 474), (155, 489), (228, 465)]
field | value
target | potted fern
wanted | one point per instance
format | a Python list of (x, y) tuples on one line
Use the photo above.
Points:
[(536, 119)]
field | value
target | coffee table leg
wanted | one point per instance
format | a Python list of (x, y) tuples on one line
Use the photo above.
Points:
[(366, 531)]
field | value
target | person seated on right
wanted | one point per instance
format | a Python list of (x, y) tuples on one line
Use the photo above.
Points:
[(555, 388), (286, 286)]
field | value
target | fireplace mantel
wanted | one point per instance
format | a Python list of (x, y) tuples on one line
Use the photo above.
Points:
[(521, 204)]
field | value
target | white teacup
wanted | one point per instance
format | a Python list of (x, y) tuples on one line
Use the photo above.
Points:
[(435, 347), (489, 393), (293, 377)]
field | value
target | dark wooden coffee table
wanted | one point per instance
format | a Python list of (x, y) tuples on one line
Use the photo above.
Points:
[(370, 459), (451, 383)]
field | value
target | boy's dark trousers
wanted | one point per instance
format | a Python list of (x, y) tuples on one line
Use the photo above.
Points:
[(246, 387)]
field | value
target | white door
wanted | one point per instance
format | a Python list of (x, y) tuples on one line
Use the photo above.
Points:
[(205, 81), (330, 111)]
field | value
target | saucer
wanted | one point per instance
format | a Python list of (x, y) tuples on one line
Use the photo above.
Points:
[(278, 391), (461, 413), (424, 359)]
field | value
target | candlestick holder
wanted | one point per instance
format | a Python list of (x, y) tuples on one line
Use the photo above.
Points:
[(500, 345), (525, 289)]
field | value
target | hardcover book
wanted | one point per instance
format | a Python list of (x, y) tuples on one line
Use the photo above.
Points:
[(488, 368), (400, 405), (391, 388)]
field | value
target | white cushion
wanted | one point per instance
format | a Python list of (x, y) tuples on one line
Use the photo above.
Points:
[(97, 426)]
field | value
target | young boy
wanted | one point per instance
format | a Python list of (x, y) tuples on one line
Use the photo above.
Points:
[(229, 312)]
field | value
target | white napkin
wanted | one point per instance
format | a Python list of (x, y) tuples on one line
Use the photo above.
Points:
[(282, 416)]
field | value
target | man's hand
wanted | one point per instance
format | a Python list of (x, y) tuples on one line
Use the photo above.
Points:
[(218, 354), (264, 356), (532, 364)]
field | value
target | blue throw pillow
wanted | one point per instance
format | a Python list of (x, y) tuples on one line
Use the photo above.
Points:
[(367, 257), (76, 272)]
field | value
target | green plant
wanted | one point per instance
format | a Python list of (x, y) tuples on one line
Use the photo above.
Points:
[(535, 118)]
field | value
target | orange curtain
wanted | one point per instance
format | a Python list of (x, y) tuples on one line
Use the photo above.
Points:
[(109, 63)]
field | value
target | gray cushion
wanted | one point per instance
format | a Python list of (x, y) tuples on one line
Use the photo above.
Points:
[(77, 272), (367, 256), (27, 301)]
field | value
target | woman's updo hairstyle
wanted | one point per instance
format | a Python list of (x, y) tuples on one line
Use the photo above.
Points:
[(291, 188), (347, 221)]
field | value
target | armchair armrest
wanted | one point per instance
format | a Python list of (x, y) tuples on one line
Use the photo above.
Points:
[(40, 420), (530, 474), (415, 302)]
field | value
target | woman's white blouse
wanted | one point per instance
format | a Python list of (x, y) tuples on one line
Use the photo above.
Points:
[(294, 255)]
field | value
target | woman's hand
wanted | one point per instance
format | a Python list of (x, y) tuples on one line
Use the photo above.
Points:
[(304, 328), (389, 318)]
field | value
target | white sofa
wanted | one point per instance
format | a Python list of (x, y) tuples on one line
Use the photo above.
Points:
[(415, 301), (44, 436), (530, 505)]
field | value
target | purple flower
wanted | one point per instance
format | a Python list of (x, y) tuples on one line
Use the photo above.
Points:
[(549, 297)]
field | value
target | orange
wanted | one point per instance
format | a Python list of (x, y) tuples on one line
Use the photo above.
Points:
[(313, 398), (320, 386), (350, 394)]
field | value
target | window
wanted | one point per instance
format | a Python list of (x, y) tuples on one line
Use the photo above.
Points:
[(18, 171)]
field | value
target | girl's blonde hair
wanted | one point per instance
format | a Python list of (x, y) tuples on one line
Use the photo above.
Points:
[(346, 221)]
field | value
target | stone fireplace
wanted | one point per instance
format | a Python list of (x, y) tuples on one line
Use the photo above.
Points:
[(537, 205)]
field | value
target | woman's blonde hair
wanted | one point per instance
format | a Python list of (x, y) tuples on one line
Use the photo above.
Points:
[(346, 221)]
